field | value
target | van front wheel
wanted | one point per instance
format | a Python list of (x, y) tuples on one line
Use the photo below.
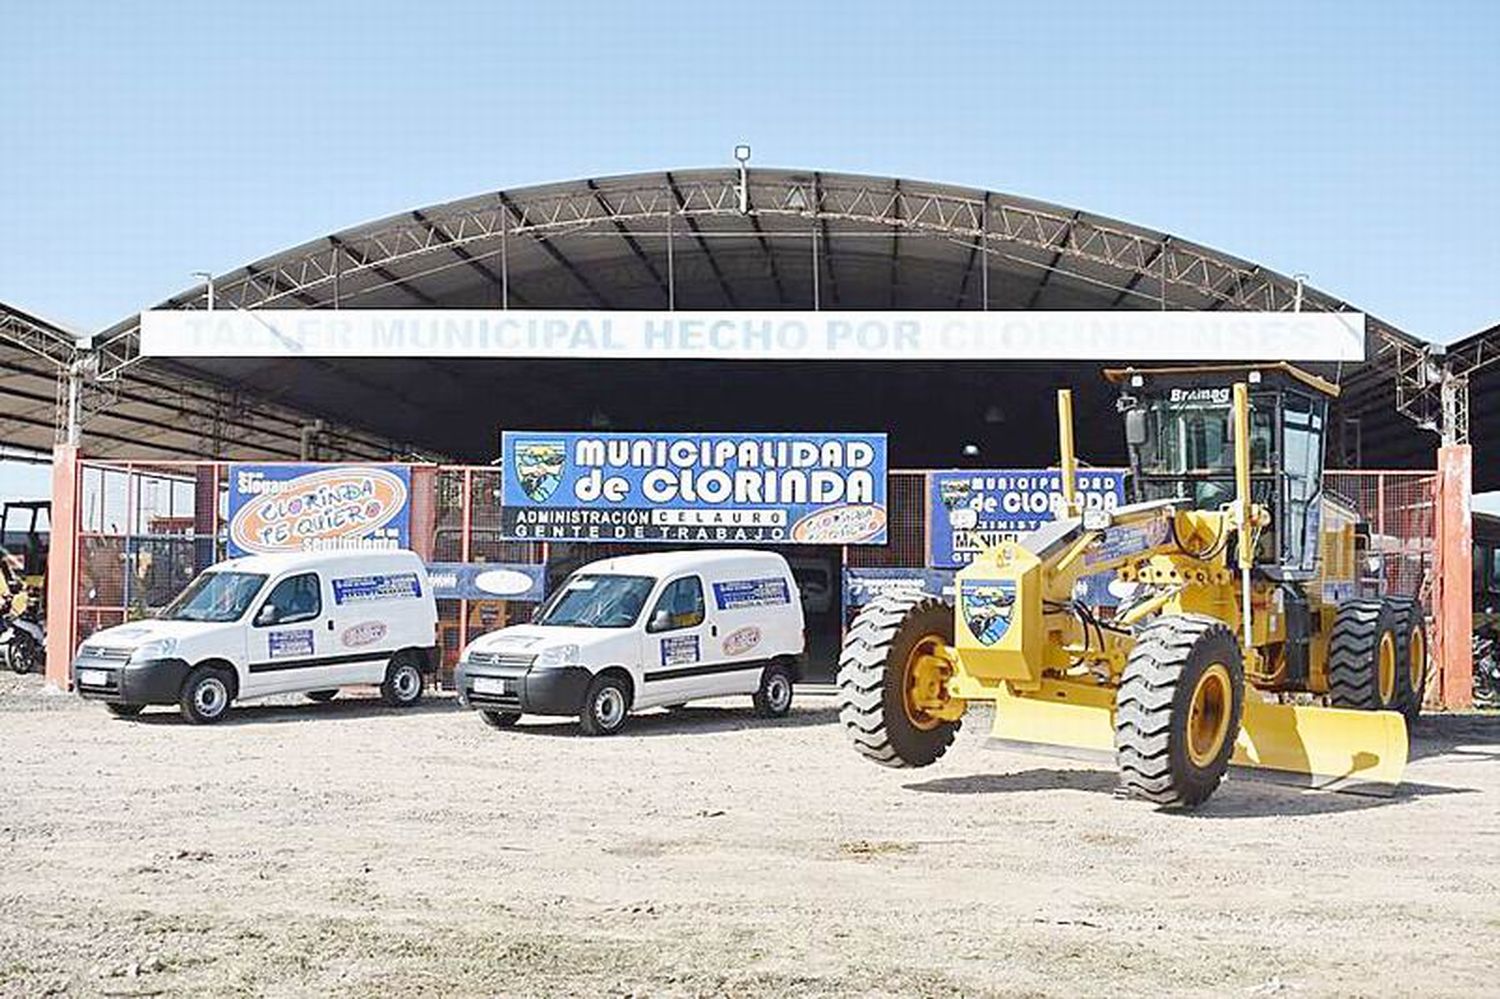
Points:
[(206, 695), (605, 706), (403, 682)]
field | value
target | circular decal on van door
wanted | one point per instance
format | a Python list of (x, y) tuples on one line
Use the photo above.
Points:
[(738, 642), (364, 633)]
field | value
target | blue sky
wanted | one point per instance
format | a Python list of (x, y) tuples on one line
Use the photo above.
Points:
[(1354, 142)]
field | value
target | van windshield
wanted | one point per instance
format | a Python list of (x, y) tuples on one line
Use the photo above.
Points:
[(217, 597), (596, 601)]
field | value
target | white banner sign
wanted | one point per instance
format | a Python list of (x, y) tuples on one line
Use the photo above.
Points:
[(808, 336)]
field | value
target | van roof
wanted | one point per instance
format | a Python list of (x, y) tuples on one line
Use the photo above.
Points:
[(270, 565), (665, 563)]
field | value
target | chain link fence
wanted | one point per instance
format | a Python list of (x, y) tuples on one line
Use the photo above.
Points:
[(147, 529)]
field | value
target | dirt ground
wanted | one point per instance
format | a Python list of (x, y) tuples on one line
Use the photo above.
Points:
[(347, 849)]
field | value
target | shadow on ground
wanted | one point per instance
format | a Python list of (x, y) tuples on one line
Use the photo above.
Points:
[(1470, 737), (689, 720), (258, 713), (1241, 796)]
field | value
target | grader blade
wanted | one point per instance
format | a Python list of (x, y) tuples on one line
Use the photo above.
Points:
[(1328, 748), (1077, 722), (1331, 748)]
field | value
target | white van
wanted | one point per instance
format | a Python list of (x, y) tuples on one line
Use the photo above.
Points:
[(641, 631), (272, 624)]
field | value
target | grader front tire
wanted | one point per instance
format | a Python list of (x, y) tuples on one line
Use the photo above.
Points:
[(883, 648), (1178, 709)]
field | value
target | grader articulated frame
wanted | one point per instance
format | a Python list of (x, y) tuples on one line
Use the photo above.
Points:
[(1238, 614)]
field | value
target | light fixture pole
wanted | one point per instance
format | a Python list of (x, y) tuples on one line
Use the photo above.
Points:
[(208, 279), (742, 153)]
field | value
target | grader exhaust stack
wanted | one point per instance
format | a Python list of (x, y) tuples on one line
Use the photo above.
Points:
[(1236, 634)]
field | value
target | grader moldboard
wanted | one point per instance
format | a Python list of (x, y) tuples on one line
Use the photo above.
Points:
[(1239, 612)]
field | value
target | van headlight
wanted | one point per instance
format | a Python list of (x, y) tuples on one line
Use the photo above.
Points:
[(557, 657), (159, 648)]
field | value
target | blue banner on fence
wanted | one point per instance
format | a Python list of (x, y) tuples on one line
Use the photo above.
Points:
[(295, 508), (811, 489), (861, 585), (973, 510), (487, 580)]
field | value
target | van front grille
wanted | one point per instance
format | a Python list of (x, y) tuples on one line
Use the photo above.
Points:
[(507, 660)]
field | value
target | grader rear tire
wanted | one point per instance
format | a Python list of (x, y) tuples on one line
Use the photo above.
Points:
[(1411, 657), (1178, 709), (875, 675), (1363, 665)]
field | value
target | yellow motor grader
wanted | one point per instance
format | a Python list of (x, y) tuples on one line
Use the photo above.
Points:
[(1239, 634)]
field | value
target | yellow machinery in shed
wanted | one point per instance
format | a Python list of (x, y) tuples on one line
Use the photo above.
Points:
[(1239, 634)]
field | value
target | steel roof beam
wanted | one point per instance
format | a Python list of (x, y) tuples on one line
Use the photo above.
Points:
[(1065, 235), (820, 221), (770, 255), (383, 272), (692, 224), (463, 254), (556, 254), (630, 242)]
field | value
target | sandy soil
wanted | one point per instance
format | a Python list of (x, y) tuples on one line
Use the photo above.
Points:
[(346, 849)]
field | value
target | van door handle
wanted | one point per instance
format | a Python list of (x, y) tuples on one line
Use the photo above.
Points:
[(330, 624), (713, 631)]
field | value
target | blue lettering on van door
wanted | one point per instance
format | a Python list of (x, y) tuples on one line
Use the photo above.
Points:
[(736, 593), (281, 644), (679, 649)]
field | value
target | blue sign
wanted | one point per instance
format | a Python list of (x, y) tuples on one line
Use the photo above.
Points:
[(734, 594), (974, 510), (679, 649), (863, 585), (281, 644), (807, 489), (302, 508), (365, 589), (487, 580)]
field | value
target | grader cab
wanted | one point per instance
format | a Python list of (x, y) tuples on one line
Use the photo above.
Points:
[(1236, 632)]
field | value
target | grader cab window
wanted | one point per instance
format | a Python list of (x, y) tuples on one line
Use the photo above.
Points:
[(1189, 450), (1188, 453)]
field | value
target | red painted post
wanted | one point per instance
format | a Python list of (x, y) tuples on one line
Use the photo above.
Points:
[(1453, 577), (62, 565), (465, 553)]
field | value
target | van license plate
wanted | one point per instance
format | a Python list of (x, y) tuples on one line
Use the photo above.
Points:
[(491, 685), (93, 678)]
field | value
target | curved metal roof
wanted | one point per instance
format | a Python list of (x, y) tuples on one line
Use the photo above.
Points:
[(678, 239)]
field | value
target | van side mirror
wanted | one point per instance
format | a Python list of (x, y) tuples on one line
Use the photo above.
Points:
[(266, 615), (1135, 427), (661, 620)]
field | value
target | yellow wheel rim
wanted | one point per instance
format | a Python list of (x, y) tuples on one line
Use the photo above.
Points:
[(1208, 715), (1385, 667), (922, 681), (1418, 664)]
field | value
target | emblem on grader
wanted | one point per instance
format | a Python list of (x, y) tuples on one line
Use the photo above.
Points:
[(1240, 638)]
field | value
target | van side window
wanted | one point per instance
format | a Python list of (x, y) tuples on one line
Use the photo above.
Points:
[(680, 606), (295, 598)]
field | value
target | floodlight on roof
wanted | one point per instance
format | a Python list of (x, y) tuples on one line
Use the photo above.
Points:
[(208, 279), (742, 153)]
